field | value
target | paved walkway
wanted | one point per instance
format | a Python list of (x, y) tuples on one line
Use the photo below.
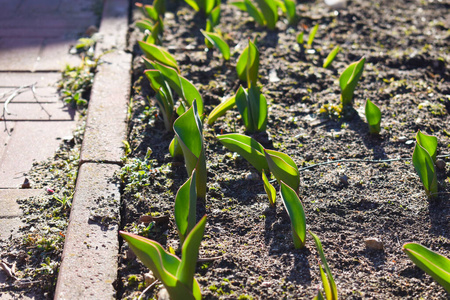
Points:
[(35, 38)]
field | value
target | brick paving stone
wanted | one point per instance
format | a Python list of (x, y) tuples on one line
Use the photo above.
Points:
[(10, 227), (57, 111), (30, 142), (18, 54), (89, 262), (54, 55), (43, 95), (16, 79), (107, 113), (8, 201)]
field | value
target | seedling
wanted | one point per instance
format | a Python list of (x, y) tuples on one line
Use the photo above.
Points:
[(288, 7), (153, 25), (203, 6), (156, 11), (248, 64), (329, 285), (252, 106), (270, 190), (216, 40), (428, 142), (176, 275), (349, 79), (186, 207), (327, 62), (312, 35), (423, 163), (373, 116), (266, 14), (296, 213), (434, 264), (156, 53), (164, 97), (247, 147), (221, 109), (283, 168), (188, 130)]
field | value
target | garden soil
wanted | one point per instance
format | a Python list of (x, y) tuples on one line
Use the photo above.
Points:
[(362, 209)]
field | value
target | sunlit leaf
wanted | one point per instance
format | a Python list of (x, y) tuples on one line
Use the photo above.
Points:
[(429, 143), (373, 116), (296, 213), (327, 62), (247, 147), (254, 12), (423, 163), (156, 53), (221, 109), (331, 292), (217, 40), (270, 190), (283, 168), (434, 264), (312, 34), (349, 79), (269, 11), (186, 207)]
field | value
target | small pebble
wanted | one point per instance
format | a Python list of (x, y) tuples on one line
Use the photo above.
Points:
[(402, 139), (26, 184), (440, 164), (251, 176), (163, 295), (344, 179), (266, 284), (149, 278), (129, 254), (409, 142), (374, 243)]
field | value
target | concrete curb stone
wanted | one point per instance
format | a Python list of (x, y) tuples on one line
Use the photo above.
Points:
[(89, 261)]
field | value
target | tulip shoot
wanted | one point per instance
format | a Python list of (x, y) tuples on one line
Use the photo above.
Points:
[(373, 116), (296, 213), (349, 79)]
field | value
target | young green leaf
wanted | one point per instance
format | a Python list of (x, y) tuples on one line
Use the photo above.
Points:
[(186, 207), (428, 142), (158, 54), (434, 264), (327, 62), (163, 265), (252, 106), (221, 109), (283, 168), (188, 130), (163, 96), (269, 11), (291, 13), (189, 255), (254, 12), (214, 17), (296, 213), (144, 24), (183, 87), (349, 79), (270, 190), (373, 116), (312, 34), (148, 10), (300, 38), (240, 5), (248, 64), (423, 163), (175, 148), (217, 40), (247, 147), (329, 284)]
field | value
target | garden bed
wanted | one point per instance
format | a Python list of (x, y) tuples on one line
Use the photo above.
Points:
[(353, 198)]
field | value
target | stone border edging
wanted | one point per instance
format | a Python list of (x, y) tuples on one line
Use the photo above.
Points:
[(89, 261)]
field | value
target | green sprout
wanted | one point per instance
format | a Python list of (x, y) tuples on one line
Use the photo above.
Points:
[(247, 147), (349, 79), (327, 62), (312, 35), (265, 13), (248, 64), (373, 116), (221, 109), (203, 6), (188, 130), (252, 106), (185, 207), (159, 54), (283, 168), (434, 264), (288, 8), (176, 275), (328, 283), (164, 97), (217, 40), (423, 162), (296, 213), (270, 190), (156, 11)]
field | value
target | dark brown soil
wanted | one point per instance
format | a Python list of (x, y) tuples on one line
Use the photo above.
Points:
[(406, 44)]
